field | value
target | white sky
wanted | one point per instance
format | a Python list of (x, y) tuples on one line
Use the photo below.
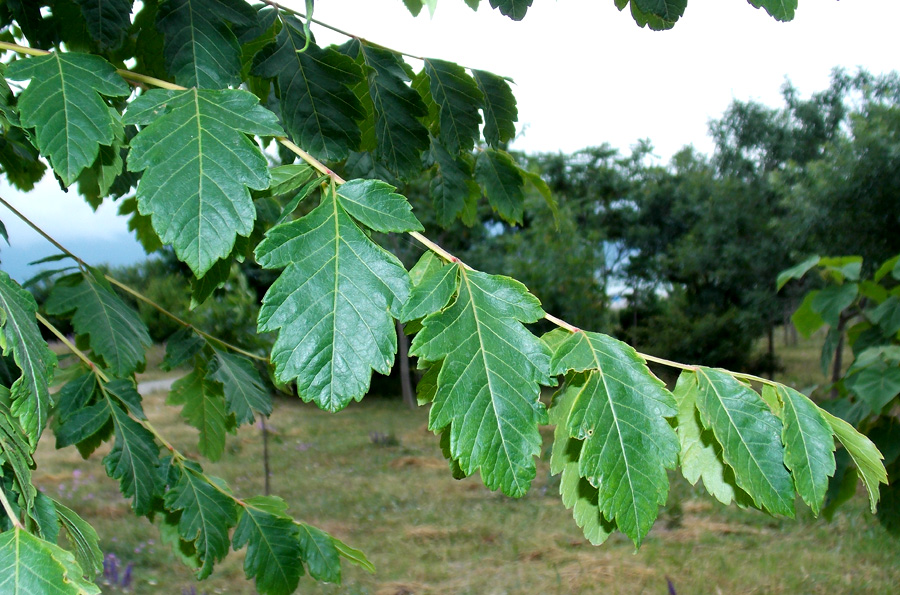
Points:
[(585, 73)]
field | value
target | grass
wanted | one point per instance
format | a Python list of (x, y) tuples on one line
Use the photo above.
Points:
[(374, 476)]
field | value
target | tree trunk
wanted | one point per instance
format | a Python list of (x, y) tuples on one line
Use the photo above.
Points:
[(838, 358), (409, 396)]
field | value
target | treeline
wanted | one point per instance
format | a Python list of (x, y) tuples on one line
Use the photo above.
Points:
[(680, 259)]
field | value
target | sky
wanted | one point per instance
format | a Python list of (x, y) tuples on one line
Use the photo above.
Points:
[(584, 74)]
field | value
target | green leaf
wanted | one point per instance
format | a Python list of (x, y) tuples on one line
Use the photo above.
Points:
[(115, 330), (204, 408), (832, 300), (618, 408), (503, 183), (289, 178), (667, 10), (701, 453), (81, 535), (352, 555), (273, 545), (808, 446), (95, 182), (245, 393), (400, 135), (796, 271), (865, 455), (781, 10), (535, 179), (19, 334), (30, 565), (452, 185), (200, 48), (318, 106), (514, 9), (375, 204), (840, 268), (181, 346), (15, 450), (125, 392), (82, 424), (198, 167), (107, 21), (459, 100), (320, 554), (806, 320), (333, 305), (499, 107), (887, 315), (64, 104), (488, 387), (876, 385), (206, 515), (750, 437), (889, 265), (133, 460), (431, 294)]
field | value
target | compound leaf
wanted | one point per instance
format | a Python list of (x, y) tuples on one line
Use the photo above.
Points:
[(273, 545), (116, 332), (206, 515), (618, 409), (133, 460), (19, 334), (459, 100), (64, 104), (29, 565), (245, 393), (499, 107), (107, 21), (808, 446), (750, 436), (199, 167), (204, 408), (333, 305), (318, 106), (200, 48), (488, 386)]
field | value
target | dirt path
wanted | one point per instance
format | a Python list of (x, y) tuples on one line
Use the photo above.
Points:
[(153, 386)]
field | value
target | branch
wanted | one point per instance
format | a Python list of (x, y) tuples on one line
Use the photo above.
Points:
[(9, 511)]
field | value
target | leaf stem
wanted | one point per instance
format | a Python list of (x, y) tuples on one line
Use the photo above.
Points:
[(41, 232), (9, 511), (71, 347)]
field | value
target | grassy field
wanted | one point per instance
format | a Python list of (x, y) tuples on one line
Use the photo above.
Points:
[(374, 476)]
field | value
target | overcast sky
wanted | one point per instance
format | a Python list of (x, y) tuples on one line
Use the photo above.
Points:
[(585, 74)]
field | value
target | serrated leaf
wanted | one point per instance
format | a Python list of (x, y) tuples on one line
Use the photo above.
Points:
[(514, 9), (95, 182), (204, 408), (781, 10), (503, 183), (81, 535), (499, 107), (83, 424), (618, 408), (375, 204), (133, 460), (181, 347), (750, 436), (808, 446), (115, 331), (333, 305), (400, 135), (245, 393), (15, 450), (459, 100), (207, 515), (107, 21), (865, 455), (126, 393), (30, 565), (431, 294), (19, 335), (64, 104), (273, 545), (318, 106), (667, 10), (488, 387), (200, 48), (320, 554), (701, 453), (198, 168), (141, 225), (452, 184)]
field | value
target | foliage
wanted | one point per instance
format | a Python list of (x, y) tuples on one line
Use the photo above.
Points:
[(863, 311), (206, 188)]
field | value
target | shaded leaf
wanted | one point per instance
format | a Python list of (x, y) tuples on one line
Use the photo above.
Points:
[(133, 461), (514, 9), (333, 305), (796, 271), (503, 183), (832, 300), (181, 346), (198, 167), (488, 386), (499, 107), (320, 554), (452, 185), (459, 100), (64, 104), (273, 545), (245, 393), (782, 10), (83, 424), (81, 535), (107, 21), (204, 408)]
